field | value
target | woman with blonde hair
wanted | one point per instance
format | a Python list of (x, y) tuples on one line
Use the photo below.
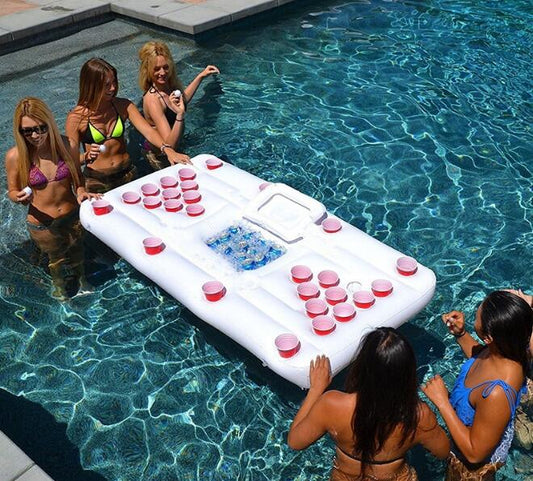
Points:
[(165, 98), (99, 121), (43, 172)]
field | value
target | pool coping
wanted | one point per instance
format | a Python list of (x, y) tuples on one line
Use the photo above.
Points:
[(30, 22), (15, 465)]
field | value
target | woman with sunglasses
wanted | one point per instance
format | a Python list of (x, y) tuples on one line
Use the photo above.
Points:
[(165, 98), (99, 121), (43, 173)]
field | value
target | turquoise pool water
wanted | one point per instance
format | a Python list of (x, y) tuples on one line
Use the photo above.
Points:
[(411, 120)]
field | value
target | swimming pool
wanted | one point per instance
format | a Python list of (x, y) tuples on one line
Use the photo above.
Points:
[(410, 120)]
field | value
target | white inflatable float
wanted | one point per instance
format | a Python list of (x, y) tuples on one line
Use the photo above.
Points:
[(267, 246)]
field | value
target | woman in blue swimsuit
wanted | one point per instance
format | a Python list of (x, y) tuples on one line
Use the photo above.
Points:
[(481, 409), (43, 173), (98, 122), (379, 417)]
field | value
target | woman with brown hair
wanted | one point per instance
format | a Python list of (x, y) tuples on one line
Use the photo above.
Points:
[(43, 172), (165, 99), (377, 419), (98, 122)]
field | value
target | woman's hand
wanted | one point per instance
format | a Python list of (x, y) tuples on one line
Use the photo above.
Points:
[(455, 320), (209, 70), (320, 373), (177, 104), (436, 391), (23, 197), (92, 154), (518, 292), (176, 158), (82, 194)]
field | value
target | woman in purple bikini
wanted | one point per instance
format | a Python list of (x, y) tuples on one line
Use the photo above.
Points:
[(481, 409), (42, 173)]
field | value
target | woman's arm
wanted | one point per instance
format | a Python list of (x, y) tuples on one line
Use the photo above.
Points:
[(310, 422), (14, 189), (151, 134), (431, 435), (80, 192), (491, 417), (455, 320), (190, 90), (153, 108)]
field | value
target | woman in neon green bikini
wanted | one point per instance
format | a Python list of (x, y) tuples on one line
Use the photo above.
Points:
[(98, 122)]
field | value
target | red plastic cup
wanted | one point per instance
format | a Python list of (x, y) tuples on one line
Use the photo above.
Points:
[(406, 266), (188, 185), (168, 182), (307, 290), (191, 196), (328, 279), (130, 197), (381, 287), (213, 163), (288, 345), (331, 225), (194, 210), (315, 307), (149, 189), (186, 174), (214, 291), (364, 299), (301, 274), (152, 202), (323, 325), (153, 245), (344, 312), (173, 205), (171, 193), (101, 207), (335, 295)]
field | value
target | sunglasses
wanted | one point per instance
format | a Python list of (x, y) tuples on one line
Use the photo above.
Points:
[(39, 129)]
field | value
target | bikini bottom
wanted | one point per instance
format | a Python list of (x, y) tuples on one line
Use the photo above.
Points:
[(99, 183), (458, 471), (405, 473)]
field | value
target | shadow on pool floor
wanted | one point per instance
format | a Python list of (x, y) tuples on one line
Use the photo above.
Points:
[(36, 432)]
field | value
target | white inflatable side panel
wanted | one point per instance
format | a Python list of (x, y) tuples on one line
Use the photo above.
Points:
[(263, 303)]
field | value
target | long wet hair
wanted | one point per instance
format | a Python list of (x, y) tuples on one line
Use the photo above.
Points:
[(37, 110), (508, 319), (383, 375), (148, 55), (92, 82)]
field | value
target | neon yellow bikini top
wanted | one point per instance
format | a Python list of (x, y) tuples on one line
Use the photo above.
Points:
[(94, 135)]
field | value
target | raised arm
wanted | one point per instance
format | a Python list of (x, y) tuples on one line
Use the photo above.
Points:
[(310, 422), (171, 134), (190, 90), (455, 321), (490, 420)]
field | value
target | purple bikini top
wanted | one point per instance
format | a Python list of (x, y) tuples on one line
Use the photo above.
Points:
[(38, 179)]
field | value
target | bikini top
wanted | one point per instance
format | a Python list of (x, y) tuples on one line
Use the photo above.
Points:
[(377, 463), (170, 115), (460, 400), (38, 179), (93, 135)]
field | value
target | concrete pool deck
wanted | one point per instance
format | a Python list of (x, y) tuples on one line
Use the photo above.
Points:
[(27, 22), (15, 465)]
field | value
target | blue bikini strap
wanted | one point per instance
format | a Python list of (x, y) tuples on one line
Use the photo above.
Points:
[(510, 392)]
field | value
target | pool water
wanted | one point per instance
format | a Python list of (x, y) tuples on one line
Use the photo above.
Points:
[(410, 120)]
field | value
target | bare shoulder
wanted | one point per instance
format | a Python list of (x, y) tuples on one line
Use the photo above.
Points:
[(427, 419), (12, 156), (122, 104)]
